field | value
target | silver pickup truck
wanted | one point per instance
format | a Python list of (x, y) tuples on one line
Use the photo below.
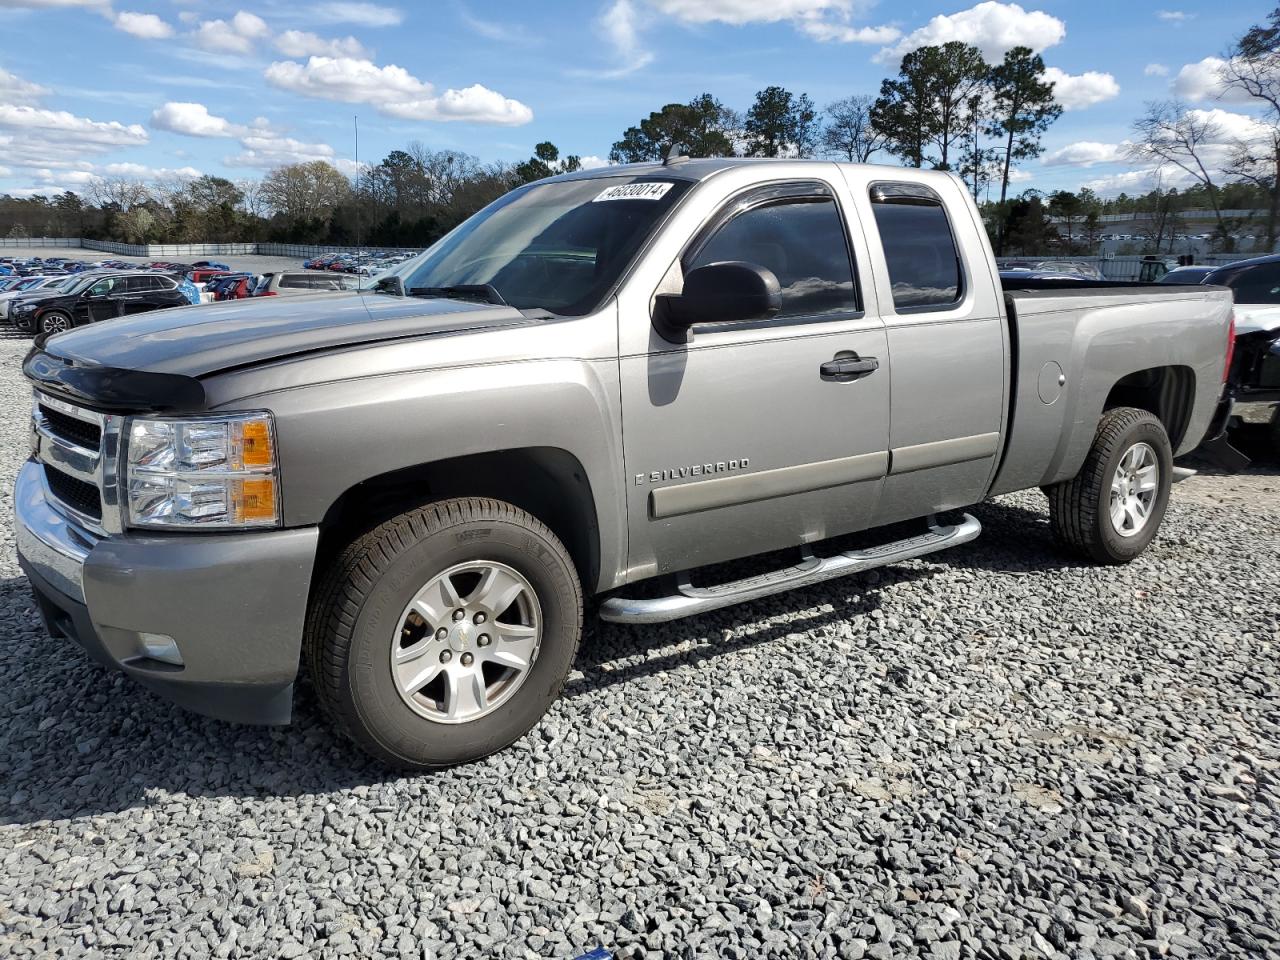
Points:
[(605, 385)]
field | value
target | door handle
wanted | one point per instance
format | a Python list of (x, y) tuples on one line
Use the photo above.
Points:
[(844, 369)]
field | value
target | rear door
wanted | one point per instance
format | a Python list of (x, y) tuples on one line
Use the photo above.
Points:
[(135, 294), (948, 339), (735, 442)]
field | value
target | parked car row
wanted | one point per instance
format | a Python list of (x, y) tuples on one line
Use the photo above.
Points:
[(365, 264), (53, 304)]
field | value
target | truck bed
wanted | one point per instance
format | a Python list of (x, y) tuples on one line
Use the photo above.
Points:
[(1073, 349)]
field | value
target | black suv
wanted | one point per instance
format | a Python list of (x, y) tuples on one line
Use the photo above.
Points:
[(97, 297)]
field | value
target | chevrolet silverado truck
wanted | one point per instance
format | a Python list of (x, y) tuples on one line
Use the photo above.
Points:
[(591, 396)]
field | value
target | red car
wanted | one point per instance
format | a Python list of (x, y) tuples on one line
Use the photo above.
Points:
[(205, 274)]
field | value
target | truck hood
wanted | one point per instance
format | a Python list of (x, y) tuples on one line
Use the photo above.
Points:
[(156, 360)]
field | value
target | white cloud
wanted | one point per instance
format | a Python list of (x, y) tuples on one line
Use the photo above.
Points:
[(1232, 127), (593, 162), (992, 27), (58, 142), (193, 120), (493, 30), (364, 14), (1155, 70), (143, 172), (739, 12), (266, 151), (824, 20), (236, 36), (145, 25), (1084, 153), (85, 133), (473, 104), (1177, 17), (300, 43), (1082, 90), (393, 91), (827, 31), (346, 79), (1197, 82), (1138, 181), (620, 26), (13, 89)]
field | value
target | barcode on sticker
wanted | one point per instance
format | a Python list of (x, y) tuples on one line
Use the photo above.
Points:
[(635, 191)]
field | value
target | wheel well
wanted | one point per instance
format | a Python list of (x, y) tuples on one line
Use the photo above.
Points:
[(1167, 392), (548, 482)]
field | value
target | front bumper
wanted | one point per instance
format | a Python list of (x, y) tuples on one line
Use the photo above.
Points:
[(233, 605)]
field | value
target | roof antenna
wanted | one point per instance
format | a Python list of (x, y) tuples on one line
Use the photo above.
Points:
[(675, 154)]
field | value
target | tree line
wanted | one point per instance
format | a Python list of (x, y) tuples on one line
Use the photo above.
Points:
[(946, 108)]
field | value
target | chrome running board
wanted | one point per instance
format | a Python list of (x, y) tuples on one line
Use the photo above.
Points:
[(690, 600)]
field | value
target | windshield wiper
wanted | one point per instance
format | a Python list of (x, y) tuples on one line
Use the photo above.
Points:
[(484, 292)]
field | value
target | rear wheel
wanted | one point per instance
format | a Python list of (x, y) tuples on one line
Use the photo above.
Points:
[(1110, 511), (446, 633), (55, 321)]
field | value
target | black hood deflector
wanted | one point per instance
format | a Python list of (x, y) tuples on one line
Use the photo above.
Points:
[(112, 388)]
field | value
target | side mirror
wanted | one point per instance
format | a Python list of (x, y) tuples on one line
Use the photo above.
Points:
[(731, 291)]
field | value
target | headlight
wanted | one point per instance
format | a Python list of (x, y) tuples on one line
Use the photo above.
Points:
[(207, 472)]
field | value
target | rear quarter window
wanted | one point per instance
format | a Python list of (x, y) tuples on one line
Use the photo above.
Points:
[(919, 248)]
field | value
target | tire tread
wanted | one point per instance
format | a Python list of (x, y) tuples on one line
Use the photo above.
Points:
[(345, 586), (1074, 503)]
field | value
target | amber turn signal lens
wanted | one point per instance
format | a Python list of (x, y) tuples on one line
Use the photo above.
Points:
[(255, 443), (254, 500)]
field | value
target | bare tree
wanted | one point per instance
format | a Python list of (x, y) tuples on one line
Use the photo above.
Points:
[(1169, 134), (118, 192), (252, 200), (1252, 66), (849, 133)]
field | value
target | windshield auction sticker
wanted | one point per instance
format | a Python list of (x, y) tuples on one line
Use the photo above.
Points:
[(635, 191)]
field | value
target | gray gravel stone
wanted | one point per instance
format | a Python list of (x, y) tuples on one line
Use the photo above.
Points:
[(996, 752)]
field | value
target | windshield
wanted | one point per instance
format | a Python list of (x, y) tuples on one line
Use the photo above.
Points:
[(553, 246)]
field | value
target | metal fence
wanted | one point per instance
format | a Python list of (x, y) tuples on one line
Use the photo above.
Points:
[(190, 250), (39, 242)]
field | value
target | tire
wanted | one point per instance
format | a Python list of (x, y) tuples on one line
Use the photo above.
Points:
[(365, 615), (1081, 509), (55, 321)]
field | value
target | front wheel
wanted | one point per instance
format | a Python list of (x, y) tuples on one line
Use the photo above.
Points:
[(445, 633), (1110, 511), (55, 322)]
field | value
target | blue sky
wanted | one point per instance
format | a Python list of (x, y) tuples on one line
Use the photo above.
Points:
[(140, 88)]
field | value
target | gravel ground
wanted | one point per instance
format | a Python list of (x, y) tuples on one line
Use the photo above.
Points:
[(995, 752)]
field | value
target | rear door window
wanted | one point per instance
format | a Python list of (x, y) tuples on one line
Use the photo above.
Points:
[(919, 248)]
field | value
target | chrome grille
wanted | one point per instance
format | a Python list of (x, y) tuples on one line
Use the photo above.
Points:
[(79, 449)]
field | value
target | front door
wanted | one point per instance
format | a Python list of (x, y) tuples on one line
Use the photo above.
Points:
[(100, 301), (754, 436)]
